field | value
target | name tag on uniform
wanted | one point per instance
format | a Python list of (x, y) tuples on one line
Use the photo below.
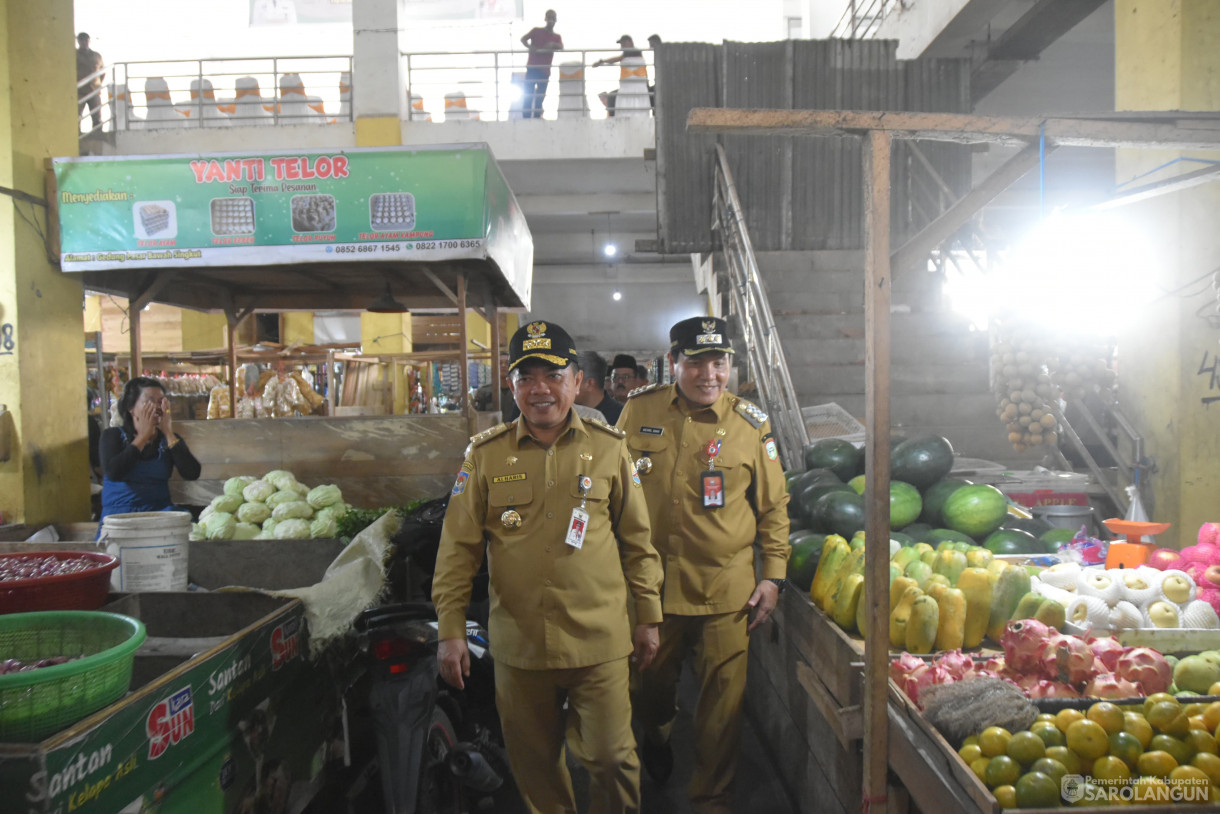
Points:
[(576, 528), (713, 489)]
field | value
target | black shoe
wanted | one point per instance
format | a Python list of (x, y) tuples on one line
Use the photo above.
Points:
[(658, 759)]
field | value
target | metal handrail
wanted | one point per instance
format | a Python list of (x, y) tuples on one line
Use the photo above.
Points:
[(769, 367), (862, 18)]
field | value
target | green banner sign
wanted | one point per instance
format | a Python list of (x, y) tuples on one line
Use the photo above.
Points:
[(419, 204)]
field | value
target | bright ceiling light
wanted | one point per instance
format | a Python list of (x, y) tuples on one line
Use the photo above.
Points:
[(610, 250), (617, 295)]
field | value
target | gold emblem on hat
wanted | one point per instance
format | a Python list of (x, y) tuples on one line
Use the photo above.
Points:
[(536, 329), (709, 325), (511, 519), (644, 465)]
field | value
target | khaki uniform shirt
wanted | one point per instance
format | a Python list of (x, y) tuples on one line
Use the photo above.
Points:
[(552, 605), (708, 554)]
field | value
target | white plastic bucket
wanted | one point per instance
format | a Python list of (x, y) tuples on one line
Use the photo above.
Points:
[(1067, 517), (152, 548)]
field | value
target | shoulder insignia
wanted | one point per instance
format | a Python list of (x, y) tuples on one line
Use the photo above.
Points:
[(750, 412), (487, 435), (648, 388), (602, 425)]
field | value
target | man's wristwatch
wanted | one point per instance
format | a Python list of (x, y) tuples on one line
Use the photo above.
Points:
[(779, 583)]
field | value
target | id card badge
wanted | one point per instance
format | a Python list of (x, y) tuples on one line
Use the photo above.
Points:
[(576, 528), (713, 489)]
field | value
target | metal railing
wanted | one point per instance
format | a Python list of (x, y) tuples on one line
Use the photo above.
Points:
[(862, 18), (490, 85), (768, 366), (223, 92)]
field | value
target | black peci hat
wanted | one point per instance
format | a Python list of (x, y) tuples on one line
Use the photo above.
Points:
[(541, 340), (700, 335), (625, 38), (623, 360)]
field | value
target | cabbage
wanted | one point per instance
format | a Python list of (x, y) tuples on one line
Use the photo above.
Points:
[(258, 491), (235, 485), (253, 512), (196, 532), (265, 534), (208, 509), (298, 487), (245, 531), (219, 526), (292, 529), (287, 496), (269, 525), (322, 496), (298, 508), (278, 477), (323, 526), (225, 503)]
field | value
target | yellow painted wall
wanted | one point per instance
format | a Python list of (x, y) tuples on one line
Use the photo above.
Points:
[(42, 364), (1168, 57), (203, 330), (478, 332), (296, 326), (388, 333)]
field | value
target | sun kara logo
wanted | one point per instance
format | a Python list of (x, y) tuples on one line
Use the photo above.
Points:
[(285, 643), (169, 722)]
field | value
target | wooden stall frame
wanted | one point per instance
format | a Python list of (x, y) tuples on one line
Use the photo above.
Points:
[(1141, 129)]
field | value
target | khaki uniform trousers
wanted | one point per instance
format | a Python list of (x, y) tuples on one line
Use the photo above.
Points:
[(599, 714), (720, 646)]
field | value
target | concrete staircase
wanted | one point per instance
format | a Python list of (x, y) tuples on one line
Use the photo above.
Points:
[(939, 376)]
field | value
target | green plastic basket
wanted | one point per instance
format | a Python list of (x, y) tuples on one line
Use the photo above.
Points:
[(38, 703)]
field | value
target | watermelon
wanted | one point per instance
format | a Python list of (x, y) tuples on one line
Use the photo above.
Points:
[(840, 512), (810, 477), (934, 498), (935, 537), (903, 540), (809, 498), (922, 461), (803, 560), (975, 510), (905, 504), (1054, 538), (1013, 541), (916, 531), (1032, 525), (797, 533), (835, 454)]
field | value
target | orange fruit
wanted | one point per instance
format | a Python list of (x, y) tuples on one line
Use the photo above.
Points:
[(1211, 715), (1065, 756), (1156, 764), (1050, 734), (1110, 768), (1036, 790), (970, 740), (1006, 796), (1214, 689), (1196, 722), (1001, 771), (1050, 717), (1191, 783), (979, 767), (1150, 791), (1138, 725), (1210, 764), (1168, 717), (1174, 746), (994, 741), (1025, 748), (1158, 697), (1050, 767), (1108, 715), (1088, 739), (1066, 717), (1126, 747), (970, 753), (1192, 710), (1200, 740)]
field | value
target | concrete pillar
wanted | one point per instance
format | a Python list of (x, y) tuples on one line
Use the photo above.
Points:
[(1168, 58), (42, 359), (379, 97)]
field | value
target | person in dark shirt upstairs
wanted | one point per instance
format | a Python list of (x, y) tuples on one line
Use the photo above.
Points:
[(139, 456)]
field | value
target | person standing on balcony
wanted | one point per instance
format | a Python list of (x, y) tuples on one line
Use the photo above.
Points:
[(543, 42), (89, 62)]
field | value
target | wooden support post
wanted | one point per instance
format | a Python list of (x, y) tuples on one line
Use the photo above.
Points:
[(877, 466), (331, 383), (232, 319), (463, 357), (493, 317), (136, 364)]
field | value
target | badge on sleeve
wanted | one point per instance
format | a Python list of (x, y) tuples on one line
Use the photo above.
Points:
[(772, 452), (459, 485)]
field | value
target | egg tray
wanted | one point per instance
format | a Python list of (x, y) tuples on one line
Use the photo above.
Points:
[(392, 210), (232, 216), (313, 213), (154, 218)]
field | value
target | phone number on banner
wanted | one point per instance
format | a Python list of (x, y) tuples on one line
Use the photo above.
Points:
[(419, 245)]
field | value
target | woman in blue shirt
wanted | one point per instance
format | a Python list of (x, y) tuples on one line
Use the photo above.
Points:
[(139, 456)]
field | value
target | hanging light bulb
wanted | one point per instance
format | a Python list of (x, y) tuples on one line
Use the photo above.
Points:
[(610, 250), (617, 295)]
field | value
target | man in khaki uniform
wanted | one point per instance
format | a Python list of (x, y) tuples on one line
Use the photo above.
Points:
[(715, 490), (555, 502)]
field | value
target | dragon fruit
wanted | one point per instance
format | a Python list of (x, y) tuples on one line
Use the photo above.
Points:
[(1068, 659), (903, 666), (957, 663), (1051, 689), (926, 676), (1147, 668), (1022, 642), (1108, 685), (1106, 651)]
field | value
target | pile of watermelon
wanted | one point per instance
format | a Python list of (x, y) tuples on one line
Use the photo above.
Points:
[(827, 497)]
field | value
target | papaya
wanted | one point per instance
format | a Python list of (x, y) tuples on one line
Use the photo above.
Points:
[(1052, 614), (922, 625), (919, 571), (1027, 606), (899, 587), (900, 616), (857, 540), (862, 613), (922, 547), (895, 572), (950, 563), (997, 566), (846, 600), (834, 553), (854, 564), (1010, 586), (979, 557), (975, 584), (904, 556), (929, 556), (951, 624), (936, 579), (937, 588)]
